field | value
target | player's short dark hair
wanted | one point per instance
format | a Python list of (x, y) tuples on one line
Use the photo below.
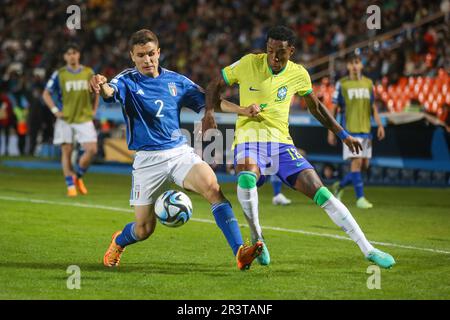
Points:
[(143, 36), (281, 33), (352, 56), (71, 45)]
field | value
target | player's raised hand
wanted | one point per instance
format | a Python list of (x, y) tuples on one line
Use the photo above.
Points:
[(251, 111), (96, 81), (353, 144), (380, 133)]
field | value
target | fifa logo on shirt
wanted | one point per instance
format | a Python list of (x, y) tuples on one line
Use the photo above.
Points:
[(172, 89), (358, 93), (281, 94), (76, 85)]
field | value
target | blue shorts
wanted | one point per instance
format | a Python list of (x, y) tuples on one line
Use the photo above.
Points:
[(273, 158)]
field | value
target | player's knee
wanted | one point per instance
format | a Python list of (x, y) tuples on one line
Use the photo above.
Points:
[(92, 149), (247, 166), (247, 179), (356, 164), (365, 165)]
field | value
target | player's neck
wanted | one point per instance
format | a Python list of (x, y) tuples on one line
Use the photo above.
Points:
[(152, 75), (355, 76), (73, 67)]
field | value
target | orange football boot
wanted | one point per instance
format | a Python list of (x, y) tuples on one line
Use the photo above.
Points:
[(80, 185), (71, 191), (114, 252), (246, 254)]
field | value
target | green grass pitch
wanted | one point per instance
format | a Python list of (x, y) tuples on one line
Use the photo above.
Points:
[(43, 232)]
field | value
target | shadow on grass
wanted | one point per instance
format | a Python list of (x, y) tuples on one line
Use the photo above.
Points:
[(152, 267)]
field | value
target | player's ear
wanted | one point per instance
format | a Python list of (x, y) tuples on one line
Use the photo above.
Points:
[(292, 51), (131, 55)]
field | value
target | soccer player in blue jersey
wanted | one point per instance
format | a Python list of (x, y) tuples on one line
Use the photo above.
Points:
[(354, 98), (152, 98)]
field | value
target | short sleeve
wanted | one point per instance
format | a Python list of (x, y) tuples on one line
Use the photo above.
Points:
[(305, 85), (118, 84), (232, 73), (193, 96), (337, 94), (53, 83)]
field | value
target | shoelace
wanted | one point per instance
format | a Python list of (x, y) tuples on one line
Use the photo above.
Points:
[(115, 254)]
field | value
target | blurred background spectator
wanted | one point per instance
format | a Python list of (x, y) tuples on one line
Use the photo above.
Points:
[(197, 38)]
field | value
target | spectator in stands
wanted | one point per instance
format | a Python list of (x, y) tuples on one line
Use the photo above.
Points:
[(6, 119)]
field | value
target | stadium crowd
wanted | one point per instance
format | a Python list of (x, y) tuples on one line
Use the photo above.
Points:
[(198, 37)]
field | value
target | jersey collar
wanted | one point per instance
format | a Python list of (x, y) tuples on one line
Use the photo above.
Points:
[(270, 69), (74, 71)]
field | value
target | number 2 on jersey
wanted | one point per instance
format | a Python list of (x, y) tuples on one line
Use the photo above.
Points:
[(161, 105)]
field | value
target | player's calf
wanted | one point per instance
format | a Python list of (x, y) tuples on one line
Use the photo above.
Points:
[(143, 231)]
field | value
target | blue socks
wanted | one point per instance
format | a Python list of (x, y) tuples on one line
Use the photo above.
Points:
[(358, 184), (356, 179), (127, 236), (276, 185), (80, 171), (223, 215), (348, 179), (228, 224), (69, 181)]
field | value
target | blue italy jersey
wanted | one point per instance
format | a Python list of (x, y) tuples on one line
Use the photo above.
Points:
[(151, 107)]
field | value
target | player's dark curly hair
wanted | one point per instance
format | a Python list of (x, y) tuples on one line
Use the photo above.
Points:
[(350, 57), (281, 33), (71, 45), (143, 36)]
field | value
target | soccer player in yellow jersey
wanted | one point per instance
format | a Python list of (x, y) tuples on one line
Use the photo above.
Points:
[(262, 144), (74, 111), (354, 98)]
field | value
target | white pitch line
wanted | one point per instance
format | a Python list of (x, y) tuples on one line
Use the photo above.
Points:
[(309, 233)]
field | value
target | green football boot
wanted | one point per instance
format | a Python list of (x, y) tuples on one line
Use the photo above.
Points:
[(264, 257), (362, 203), (381, 259)]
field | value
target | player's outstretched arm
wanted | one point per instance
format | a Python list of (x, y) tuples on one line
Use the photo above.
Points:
[(99, 84), (321, 113), (215, 103), (331, 136), (380, 131), (230, 107)]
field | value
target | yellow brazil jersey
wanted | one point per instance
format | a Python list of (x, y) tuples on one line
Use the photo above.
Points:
[(272, 92)]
